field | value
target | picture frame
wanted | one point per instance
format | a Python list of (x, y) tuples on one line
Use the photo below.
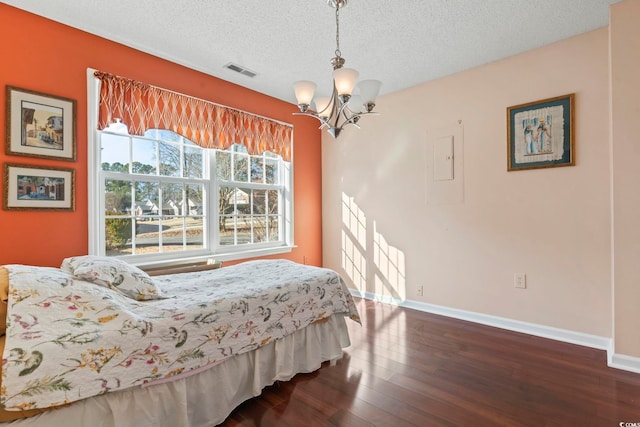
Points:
[(40, 125), (540, 134), (38, 188)]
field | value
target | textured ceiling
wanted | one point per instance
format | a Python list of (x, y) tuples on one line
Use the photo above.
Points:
[(401, 42)]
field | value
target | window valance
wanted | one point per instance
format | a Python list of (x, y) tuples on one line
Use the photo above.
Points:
[(141, 106)]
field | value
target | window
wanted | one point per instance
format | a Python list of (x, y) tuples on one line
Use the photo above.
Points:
[(153, 193), (249, 198), (160, 198)]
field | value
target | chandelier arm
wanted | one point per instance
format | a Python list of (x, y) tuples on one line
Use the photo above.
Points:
[(351, 121), (315, 116), (343, 111), (335, 108), (333, 102), (351, 118), (336, 119)]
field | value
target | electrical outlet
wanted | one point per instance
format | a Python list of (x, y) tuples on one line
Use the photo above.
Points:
[(420, 291), (520, 280)]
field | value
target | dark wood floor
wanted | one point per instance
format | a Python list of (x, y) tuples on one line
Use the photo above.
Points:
[(406, 368)]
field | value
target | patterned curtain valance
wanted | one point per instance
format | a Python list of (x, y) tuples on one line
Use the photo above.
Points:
[(141, 107)]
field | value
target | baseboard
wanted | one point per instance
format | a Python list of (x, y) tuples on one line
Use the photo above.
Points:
[(579, 338), (626, 363)]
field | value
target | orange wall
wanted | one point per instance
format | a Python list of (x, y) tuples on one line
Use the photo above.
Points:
[(42, 55)]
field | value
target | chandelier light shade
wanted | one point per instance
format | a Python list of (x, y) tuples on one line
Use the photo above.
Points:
[(369, 90), (345, 80), (343, 107), (324, 106), (304, 92)]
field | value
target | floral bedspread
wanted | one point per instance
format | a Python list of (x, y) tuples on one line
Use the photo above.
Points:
[(68, 339)]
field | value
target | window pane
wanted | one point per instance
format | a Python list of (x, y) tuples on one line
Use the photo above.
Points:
[(194, 199), (114, 153), (274, 229), (238, 148), (257, 169), (167, 135), (172, 199), (147, 199), (259, 202), (152, 133), (241, 166), (223, 165), (195, 233), (259, 229), (273, 199), (271, 169), (117, 198), (173, 233), (169, 159), (193, 162), (243, 229), (227, 230), (117, 236), (147, 236), (144, 156), (225, 200), (241, 197)]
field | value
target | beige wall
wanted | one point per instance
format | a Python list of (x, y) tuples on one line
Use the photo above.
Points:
[(387, 232), (625, 131)]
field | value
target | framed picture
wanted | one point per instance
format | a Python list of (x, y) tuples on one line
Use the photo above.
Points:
[(40, 125), (540, 134), (37, 187)]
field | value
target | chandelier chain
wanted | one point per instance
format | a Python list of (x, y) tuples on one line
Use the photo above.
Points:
[(338, 53)]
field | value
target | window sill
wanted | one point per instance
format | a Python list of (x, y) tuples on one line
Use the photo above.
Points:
[(187, 268), (233, 256), (206, 261)]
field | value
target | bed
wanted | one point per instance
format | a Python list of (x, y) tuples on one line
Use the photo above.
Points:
[(99, 342)]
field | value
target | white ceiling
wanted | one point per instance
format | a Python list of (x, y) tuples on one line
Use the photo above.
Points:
[(401, 42)]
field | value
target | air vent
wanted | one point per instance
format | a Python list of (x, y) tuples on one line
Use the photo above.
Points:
[(240, 69)]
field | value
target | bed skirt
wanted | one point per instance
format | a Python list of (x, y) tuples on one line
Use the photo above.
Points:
[(207, 398)]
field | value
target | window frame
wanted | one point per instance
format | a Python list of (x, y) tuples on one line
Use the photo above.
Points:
[(215, 251)]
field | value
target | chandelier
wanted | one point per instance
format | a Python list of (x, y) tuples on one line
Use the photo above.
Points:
[(341, 108)]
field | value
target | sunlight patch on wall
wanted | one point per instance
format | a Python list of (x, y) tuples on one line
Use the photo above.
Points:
[(369, 261), (354, 242), (390, 268)]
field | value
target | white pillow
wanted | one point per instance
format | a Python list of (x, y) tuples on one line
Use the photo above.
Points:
[(115, 274)]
